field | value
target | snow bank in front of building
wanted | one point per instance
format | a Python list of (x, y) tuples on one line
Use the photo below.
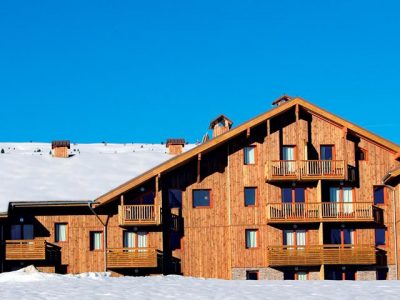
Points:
[(32, 284)]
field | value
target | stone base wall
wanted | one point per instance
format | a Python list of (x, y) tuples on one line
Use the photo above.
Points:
[(314, 275), (366, 275), (391, 272), (263, 273)]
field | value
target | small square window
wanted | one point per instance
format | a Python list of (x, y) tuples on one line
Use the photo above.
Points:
[(201, 198), (250, 196), (380, 236), (379, 195), (249, 155), (252, 275), (361, 154), (96, 239), (251, 238), (60, 232)]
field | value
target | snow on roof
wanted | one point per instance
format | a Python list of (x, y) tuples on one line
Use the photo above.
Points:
[(28, 172)]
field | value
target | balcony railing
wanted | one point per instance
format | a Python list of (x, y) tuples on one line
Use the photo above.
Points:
[(277, 170), (139, 215), (132, 258), (314, 255), (36, 249), (323, 211)]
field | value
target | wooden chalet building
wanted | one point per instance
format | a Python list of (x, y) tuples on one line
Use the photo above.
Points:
[(294, 193)]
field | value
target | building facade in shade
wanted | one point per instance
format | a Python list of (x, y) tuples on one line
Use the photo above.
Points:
[(294, 193)]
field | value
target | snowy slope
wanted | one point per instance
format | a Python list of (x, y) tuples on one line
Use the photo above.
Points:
[(35, 285), (27, 174)]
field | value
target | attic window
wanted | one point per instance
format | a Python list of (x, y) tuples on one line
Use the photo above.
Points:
[(361, 154)]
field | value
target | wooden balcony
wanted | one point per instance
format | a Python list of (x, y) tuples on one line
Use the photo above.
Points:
[(323, 212), (36, 249), (314, 255), (281, 170), (136, 215), (132, 258)]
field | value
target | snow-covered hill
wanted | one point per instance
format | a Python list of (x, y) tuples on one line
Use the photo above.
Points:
[(29, 173), (30, 284)]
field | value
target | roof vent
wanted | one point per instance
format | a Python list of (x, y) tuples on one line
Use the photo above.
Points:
[(220, 125), (175, 146), (281, 100)]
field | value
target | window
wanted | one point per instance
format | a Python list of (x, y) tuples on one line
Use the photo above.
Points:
[(201, 198), (294, 237), (249, 155), (343, 197), (361, 154), (293, 194), (327, 152), (340, 273), (134, 239), (22, 232), (379, 195), (295, 275), (175, 198), (341, 236), (60, 232), (380, 236), (251, 238), (288, 153), (252, 275), (250, 196), (96, 240)]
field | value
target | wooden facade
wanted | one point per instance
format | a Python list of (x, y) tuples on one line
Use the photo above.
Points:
[(237, 203)]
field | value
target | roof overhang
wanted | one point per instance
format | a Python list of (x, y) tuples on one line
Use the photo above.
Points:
[(391, 176), (218, 140), (53, 203)]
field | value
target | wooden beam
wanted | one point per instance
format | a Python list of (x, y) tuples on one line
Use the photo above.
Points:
[(198, 167), (345, 155), (248, 132)]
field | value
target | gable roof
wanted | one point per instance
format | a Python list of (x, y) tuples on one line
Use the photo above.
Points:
[(218, 140)]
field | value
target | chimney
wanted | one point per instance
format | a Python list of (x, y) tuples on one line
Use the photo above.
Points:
[(220, 125), (281, 100), (60, 148), (175, 146)]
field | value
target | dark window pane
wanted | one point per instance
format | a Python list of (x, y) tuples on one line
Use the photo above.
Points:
[(350, 275), (299, 194), (381, 274), (379, 195), (175, 198), (286, 195), (175, 240), (288, 275), (336, 236), (16, 232), (249, 196), (27, 232), (326, 152), (380, 236), (333, 274), (348, 236), (148, 198), (252, 275), (201, 198)]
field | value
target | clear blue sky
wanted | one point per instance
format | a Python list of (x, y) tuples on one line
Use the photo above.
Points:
[(143, 71)]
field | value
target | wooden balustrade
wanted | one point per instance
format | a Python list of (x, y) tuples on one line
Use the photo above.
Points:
[(323, 211), (37, 249), (314, 255), (139, 214), (277, 170), (132, 258)]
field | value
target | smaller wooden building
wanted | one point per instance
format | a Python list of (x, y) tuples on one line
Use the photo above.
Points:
[(220, 125), (60, 148)]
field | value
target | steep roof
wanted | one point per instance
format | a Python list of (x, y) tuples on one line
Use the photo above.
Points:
[(215, 142)]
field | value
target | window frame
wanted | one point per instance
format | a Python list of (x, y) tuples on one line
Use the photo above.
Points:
[(295, 152), (365, 153), (327, 145), (255, 155), (56, 240), (255, 196), (203, 206), (385, 236), (257, 244), (384, 194), (293, 193), (91, 240)]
